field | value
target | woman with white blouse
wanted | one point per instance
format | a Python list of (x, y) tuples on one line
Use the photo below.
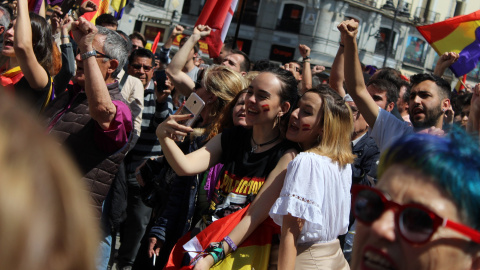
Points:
[(314, 204)]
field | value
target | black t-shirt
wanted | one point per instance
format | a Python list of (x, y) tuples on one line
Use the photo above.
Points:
[(243, 173), (37, 98)]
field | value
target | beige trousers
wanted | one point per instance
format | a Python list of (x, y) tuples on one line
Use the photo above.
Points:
[(324, 256)]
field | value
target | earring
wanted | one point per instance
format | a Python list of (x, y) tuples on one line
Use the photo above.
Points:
[(318, 138)]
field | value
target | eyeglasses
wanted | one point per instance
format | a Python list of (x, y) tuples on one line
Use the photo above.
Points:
[(138, 67), (415, 222), (99, 54)]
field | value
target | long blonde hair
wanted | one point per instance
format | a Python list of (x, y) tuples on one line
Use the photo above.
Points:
[(337, 123), (225, 84), (46, 220)]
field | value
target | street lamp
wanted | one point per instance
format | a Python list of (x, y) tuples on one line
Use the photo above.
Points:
[(390, 4)]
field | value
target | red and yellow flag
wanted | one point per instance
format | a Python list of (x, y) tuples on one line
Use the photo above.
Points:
[(102, 5), (253, 253), (459, 34)]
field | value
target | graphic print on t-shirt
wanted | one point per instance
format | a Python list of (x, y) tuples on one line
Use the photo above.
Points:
[(232, 193)]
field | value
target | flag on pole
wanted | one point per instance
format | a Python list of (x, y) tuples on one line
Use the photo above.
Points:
[(217, 14), (155, 42), (253, 253), (118, 6), (459, 34), (102, 5)]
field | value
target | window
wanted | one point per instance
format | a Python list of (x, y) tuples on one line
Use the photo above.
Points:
[(157, 3), (415, 52), (291, 19), (383, 40), (250, 12), (186, 7), (281, 54)]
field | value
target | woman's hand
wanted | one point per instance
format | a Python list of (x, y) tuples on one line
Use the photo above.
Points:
[(205, 263), (170, 128)]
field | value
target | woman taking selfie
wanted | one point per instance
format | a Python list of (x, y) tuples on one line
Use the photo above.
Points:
[(217, 86), (424, 212), (314, 204), (257, 158)]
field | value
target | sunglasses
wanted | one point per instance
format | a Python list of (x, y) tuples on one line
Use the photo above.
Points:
[(415, 222), (138, 67)]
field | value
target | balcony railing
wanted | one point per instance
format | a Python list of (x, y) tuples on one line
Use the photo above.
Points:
[(371, 3), (422, 17), (404, 10)]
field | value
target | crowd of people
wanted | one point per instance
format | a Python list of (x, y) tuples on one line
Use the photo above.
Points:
[(369, 169)]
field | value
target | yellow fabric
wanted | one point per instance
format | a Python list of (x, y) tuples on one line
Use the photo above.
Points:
[(462, 36), (246, 258), (12, 72)]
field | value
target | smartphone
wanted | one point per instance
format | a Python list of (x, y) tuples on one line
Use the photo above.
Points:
[(193, 105), (160, 78)]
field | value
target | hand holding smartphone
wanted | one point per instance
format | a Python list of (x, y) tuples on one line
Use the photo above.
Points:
[(193, 105)]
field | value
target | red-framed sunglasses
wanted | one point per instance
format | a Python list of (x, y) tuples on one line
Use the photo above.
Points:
[(415, 222)]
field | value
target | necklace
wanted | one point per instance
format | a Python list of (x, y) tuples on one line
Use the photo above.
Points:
[(256, 146)]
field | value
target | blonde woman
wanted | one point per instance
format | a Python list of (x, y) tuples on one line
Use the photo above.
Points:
[(314, 204)]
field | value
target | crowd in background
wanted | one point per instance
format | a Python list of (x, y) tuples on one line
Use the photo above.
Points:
[(364, 168)]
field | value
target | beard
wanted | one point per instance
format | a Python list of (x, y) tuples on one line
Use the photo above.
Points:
[(430, 120)]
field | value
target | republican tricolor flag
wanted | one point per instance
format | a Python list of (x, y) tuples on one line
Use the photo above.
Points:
[(217, 14), (459, 34), (253, 253), (102, 7)]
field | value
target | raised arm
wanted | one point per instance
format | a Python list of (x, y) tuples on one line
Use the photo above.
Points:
[(307, 71), (444, 62), (353, 73), (182, 82), (165, 49), (193, 163), (337, 74), (100, 104), (34, 73), (259, 208)]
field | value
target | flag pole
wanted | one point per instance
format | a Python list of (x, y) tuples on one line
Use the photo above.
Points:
[(237, 29), (461, 81)]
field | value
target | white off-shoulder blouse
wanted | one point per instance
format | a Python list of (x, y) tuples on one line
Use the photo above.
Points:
[(317, 190)]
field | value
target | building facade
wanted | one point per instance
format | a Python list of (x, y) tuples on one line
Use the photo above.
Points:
[(273, 29)]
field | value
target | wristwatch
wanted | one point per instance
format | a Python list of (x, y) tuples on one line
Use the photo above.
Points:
[(88, 54)]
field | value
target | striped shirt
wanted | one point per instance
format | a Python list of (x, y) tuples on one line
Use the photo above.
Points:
[(153, 114)]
